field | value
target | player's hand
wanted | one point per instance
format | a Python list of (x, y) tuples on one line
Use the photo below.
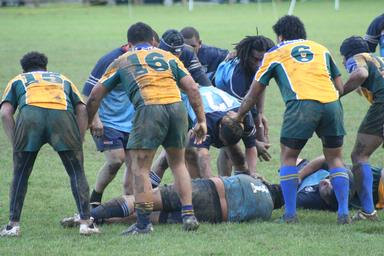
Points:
[(262, 123), (96, 127), (262, 151), (200, 132)]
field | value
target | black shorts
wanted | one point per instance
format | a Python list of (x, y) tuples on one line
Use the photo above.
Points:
[(373, 121), (205, 200)]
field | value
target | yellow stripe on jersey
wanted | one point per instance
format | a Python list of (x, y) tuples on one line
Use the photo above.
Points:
[(380, 197), (301, 67)]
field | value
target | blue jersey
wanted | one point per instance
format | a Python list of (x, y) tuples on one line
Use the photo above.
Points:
[(231, 78), (247, 198), (193, 65), (115, 111), (210, 57), (375, 32), (216, 104)]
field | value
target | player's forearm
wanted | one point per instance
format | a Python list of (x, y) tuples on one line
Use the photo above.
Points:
[(356, 79), (197, 104), (253, 96), (338, 82), (311, 167)]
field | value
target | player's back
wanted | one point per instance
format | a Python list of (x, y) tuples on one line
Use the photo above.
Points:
[(42, 89), (151, 76), (303, 70)]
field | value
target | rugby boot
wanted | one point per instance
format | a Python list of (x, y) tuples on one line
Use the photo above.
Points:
[(343, 219), (135, 230), (89, 228), (190, 223), (70, 222), (360, 215), (10, 231), (288, 220)]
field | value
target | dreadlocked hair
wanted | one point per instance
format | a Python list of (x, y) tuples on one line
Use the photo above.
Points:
[(245, 47)]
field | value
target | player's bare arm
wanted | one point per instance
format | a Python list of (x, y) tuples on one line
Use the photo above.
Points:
[(338, 82), (253, 96), (357, 78), (7, 111), (93, 103), (96, 127)]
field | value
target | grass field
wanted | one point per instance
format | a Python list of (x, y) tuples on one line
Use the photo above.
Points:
[(74, 37)]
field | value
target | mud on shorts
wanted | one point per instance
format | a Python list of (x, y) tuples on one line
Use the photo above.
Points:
[(36, 126), (155, 125), (304, 117), (373, 121), (205, 200)]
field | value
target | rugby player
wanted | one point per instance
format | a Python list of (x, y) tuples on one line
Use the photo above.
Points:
[(50, 111), (316, 192), (111, 126), (310, 84), (210, 57), (151, 78), (366, 72), (375, 34), (216, 199)]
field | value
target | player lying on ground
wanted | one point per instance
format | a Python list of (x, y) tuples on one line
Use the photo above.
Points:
[(316, 191), (217, 199)]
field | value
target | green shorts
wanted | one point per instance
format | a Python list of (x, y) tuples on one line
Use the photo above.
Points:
[(304, 117), (155, 125), (36, 126), (373, 121)]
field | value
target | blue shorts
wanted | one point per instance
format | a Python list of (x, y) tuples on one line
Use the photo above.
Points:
[(111, 139)]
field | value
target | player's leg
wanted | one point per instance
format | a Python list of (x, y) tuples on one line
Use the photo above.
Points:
[(297, 128), (158, 169), (368, 139), (365, 145), (224, 163), (174, 144), (236, 155), (128, 175), (331, 131), (22, 168), (191, 161), (142, 190), (112, 144)]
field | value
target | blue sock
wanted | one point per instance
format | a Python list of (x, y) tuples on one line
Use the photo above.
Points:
[(143, 213), (289, 182), (340, 183), (365, 193), (187, 210), (381, 45)]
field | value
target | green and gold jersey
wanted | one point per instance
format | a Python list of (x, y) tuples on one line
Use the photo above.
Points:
[(373, 86), (42, 89), (149, 76), (303, 70)]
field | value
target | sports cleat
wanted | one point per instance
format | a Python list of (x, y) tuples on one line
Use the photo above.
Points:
[(288, 220), (89, 228), (134, 230), (343, 219), (71, 222), (190, 223), (360, 215), (11, 231)]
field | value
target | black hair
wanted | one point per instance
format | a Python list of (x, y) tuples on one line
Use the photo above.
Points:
[(244, 50), (230, 130), (34, 61), (140, 32), (353, 45), (189, 32), (290, 28)]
